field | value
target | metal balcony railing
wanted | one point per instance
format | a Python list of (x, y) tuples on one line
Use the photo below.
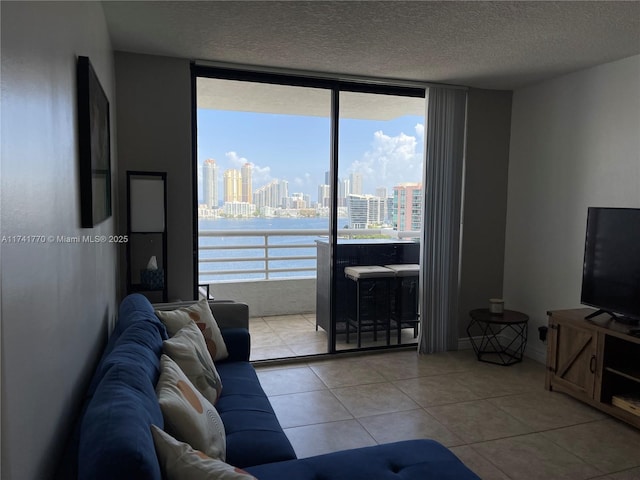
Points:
[(236, 255)]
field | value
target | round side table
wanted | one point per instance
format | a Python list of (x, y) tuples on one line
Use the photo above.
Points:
[(501, 339)]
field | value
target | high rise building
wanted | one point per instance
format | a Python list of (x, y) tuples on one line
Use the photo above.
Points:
[(267, 196), (356, 183), (247, 188), (298, 201), (284, 191), (210, 183), (344, 189), (232, 185), (365, 211), (407, 207), (324, 195)]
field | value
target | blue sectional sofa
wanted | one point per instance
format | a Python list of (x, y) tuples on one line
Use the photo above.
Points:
[(113, 438)]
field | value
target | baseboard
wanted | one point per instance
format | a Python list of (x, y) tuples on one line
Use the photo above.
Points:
[(537, 351)]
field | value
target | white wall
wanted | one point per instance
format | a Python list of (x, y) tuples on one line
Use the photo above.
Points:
[(272, 297), (154, 125), (57, 300), (575, 143), (485, 200)]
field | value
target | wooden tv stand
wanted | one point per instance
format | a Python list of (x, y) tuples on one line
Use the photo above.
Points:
[(593, 361)]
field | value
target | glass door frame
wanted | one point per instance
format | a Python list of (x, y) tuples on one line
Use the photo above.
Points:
[(335, 85)]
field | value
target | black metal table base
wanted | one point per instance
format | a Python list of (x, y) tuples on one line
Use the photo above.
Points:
[(502, 338)]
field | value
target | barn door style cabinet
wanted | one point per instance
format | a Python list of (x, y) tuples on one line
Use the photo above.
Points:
[(595, 361)]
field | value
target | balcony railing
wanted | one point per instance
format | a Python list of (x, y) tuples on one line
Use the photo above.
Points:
[(236, 255)]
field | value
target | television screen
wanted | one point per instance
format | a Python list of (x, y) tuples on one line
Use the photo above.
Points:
[(611, 273)]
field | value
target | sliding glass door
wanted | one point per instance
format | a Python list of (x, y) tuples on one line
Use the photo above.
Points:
[(291, 173), (380, 160)]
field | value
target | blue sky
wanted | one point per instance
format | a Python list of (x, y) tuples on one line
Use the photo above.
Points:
[(296, 148)]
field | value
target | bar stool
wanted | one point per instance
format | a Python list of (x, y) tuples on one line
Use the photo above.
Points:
[(406, 295), (368, 280)]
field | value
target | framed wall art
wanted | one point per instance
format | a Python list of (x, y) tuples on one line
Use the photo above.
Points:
[(94, 147)]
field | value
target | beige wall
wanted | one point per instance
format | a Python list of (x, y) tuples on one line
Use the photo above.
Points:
[(154, 125), (575, 143), (485, 200), (57, 300)]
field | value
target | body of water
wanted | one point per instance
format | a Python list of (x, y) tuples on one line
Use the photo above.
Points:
[(208, 269)]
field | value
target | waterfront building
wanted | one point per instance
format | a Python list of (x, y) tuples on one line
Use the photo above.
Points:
[(297, 202), (210, 183), (232, 181), (365, 211), (271, 195), (324, 195), (344, 189), (247, 187), (407, 207), (238, 209), (356, 183)]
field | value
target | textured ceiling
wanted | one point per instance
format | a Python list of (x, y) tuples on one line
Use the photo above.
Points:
[(498, 45)]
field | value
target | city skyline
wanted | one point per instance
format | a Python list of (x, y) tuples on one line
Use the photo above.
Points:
[(237, 188), (296, 149), (400, 210)]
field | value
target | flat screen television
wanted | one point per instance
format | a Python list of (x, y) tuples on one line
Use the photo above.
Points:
[(611, 270)]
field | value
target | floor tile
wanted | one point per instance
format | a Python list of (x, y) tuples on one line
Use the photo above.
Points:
[(373, 399), (435, 390), (289, 380), (478, 464), (346, 373), (313, 440), (265, 339), (267, 353), (533, 457), (308, 408), (409, 364), (292, 337), (498, 420), (478, 420), (309, 348), (408, 425), (544, 410), (489, 383), (608, 445)]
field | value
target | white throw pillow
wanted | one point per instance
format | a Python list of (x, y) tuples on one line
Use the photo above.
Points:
[(200, 313), (188, 350), (179, 461), (189, 416)]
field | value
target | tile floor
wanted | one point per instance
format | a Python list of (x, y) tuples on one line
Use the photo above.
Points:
[(287, 336), (498, 420)]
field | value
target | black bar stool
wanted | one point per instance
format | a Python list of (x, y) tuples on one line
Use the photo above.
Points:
[(370, 280), (405, 311)]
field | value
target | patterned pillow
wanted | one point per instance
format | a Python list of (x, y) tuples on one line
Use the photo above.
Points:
[(200, 313), (188, 350), (179, 461), (189, 416)]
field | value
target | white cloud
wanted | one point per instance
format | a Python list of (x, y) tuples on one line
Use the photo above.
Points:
[(420, 131), (260, 175), (390, 160)]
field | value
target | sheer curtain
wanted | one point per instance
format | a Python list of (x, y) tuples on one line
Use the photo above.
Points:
[(440, 252)]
